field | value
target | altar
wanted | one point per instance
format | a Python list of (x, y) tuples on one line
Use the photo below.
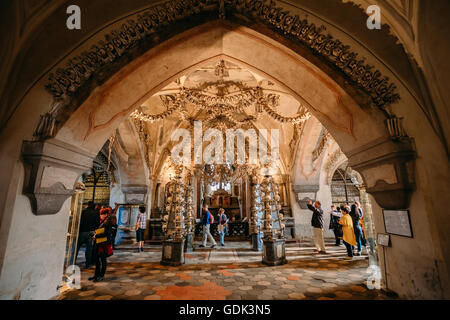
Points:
[(222, 199)]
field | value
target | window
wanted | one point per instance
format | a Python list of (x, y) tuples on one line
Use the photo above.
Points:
[(224, 185)]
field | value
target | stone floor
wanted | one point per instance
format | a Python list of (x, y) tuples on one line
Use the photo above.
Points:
[(233, 272)]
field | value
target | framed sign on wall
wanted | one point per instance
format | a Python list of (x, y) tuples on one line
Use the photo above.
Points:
[(398, 222)]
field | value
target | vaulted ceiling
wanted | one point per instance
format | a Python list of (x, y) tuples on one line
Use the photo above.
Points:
[(153, 125)]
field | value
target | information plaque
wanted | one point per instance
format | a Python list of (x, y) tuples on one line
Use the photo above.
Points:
[(398, 222), (383, 240)]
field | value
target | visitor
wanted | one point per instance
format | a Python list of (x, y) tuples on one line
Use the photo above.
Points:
[(356, 216), (98, 208), (344, 206), (141, 224), (317, 224), (223, 226), (89, 221), (335, 215), (206, 222), (103, 245), (348, 233), (361, 222), (104, 213), (114, 214)]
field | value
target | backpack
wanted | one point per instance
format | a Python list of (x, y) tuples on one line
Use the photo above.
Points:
[(211, 218)]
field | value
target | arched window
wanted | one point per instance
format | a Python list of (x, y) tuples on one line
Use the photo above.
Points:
[(343, 188), (217, 186)]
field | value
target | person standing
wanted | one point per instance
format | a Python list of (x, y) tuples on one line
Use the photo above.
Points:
[(89, 221), (103, 247), (114, 215), (361, 222), (317, 224), (348, 232), (206, 222), (335, 215), (222, 227), (141, 224), (104, 213), (356, 216)]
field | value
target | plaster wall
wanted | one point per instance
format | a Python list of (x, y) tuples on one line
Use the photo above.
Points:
[(302, 217), (35, 249), (116, 194)]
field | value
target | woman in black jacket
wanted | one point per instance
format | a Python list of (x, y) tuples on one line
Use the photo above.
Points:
[(335, 216), (104, 240)]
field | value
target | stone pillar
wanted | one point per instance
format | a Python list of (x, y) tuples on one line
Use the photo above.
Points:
[(274, 253), (172, 252), (287, 184), (189, 243), (369, 227), (257, 242)]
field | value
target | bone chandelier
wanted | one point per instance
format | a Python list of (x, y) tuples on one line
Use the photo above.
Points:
[(224, 106)]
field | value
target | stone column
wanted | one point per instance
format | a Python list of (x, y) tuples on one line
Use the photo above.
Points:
[(274, 244), (173, 245), (369, 227)]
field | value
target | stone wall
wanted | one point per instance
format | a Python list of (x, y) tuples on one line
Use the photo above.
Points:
[(35, 247)]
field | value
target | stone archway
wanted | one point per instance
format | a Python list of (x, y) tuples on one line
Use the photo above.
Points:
[(142, 78), (87, 120)]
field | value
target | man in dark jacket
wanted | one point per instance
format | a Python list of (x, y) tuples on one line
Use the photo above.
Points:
[(317, 224), (90, 220), (335, 216)]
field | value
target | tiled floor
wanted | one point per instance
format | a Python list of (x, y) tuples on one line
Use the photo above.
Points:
[(231, 272)]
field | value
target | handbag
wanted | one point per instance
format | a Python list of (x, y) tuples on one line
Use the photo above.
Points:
[(107, 249)]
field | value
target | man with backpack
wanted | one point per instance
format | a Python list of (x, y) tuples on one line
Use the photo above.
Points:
[(206, 222)]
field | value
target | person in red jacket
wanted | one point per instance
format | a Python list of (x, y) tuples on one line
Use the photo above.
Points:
[(103, 247)]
